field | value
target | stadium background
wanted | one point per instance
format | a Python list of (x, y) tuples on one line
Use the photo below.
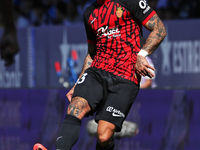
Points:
[(33, 102)]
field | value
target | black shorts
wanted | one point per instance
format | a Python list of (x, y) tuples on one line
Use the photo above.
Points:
[(109, 96)]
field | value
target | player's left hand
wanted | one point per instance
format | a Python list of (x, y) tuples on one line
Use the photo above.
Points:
[(143, 68), (9, 47)]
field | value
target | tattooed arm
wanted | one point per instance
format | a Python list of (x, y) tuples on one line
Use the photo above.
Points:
[(158, 33), (87, 62), (89, 58)]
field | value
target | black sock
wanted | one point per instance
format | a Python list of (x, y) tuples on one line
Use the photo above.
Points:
[(111, 146), (69, 133)]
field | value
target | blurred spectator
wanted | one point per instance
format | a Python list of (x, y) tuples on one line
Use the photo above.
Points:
[(167, 9), (162, 4), (189, 9), (174, 3), (170, 13), (1, 21), (161, 13), (72, 14), (8, 43), (51, 11), (22, 13), (49, 3), (81, 6), (24, 16), (60, 13), (152, 3), (38, 14)]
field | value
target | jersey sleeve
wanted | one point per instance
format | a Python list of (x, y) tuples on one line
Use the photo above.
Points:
[(139, 9), (91, 36)]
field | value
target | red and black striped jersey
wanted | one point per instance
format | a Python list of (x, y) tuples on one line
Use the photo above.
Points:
[(116, 28)]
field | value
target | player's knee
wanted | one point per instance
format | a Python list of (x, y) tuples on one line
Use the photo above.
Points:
[(103, 138), (105, 132), (80, 105)]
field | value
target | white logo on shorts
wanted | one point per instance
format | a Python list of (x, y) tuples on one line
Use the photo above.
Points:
[(115, 112), (116, 115), (59, 138)]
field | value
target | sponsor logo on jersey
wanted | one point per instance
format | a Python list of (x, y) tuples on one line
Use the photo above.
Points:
[(119, 12), (104, 31), (115, 112)]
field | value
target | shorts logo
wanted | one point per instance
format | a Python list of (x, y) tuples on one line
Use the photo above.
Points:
[(115, 112), (119, 12), (116, 115)]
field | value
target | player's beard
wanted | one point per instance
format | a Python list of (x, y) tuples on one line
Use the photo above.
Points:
[(100, 1)]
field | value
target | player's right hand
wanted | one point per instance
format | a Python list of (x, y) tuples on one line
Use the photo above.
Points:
[(143, 67), (70, 93)]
